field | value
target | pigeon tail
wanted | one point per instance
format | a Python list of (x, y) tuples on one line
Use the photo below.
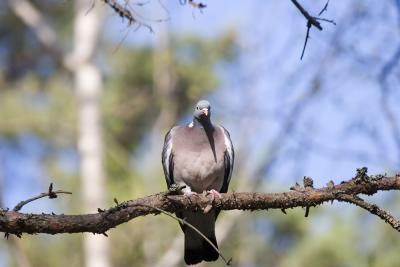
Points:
[(209, 253), (204, 251)]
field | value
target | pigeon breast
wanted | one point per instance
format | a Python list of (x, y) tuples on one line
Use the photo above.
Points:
[(198, 158)]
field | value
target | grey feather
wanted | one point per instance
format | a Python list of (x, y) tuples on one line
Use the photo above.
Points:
[(229, 159), (199, 156), (167, 159)]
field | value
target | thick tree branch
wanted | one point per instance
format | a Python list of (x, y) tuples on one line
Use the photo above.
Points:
[(16, 223)]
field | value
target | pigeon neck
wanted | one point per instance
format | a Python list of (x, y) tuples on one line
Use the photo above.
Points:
[(209, 130), (206, 124)]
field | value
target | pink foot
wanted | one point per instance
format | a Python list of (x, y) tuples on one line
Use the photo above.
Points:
[(213, 194)]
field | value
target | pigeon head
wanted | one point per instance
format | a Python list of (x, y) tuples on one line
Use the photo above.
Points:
[(202, 111)]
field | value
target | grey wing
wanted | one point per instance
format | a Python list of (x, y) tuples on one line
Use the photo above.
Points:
[(167, 159), (229, 158)]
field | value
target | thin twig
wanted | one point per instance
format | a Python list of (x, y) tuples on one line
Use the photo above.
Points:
[(326, 20), (309, 18), (121, 10), (50, 194), (182, 221), (311, 21), (325, 8), (91, 7), (306, 40), (198, 5), (125, 13), (307, 211), (372, 208)]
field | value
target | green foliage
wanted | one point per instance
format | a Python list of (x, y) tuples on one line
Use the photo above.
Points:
[(30, 105)]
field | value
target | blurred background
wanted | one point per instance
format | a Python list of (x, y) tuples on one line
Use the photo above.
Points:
[(86, 99)]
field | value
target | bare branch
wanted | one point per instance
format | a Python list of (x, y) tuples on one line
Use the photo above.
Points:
[(16, 223), (198, 5), (125, 13), (306, 40), (372, 208), (311, 21), (50, 194), (325, 8), (326, 20), (122, 11)]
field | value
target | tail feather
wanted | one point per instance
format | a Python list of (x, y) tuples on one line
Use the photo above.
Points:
[(204, 251), (209, 253), (197, 248), (193, 256)]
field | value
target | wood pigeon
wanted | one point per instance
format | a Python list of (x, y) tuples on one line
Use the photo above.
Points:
[(199, 156)]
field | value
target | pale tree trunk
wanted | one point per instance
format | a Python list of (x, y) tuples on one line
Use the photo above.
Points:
[(88, 85)]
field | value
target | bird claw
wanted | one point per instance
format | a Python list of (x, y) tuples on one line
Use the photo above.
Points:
[(213, 194)]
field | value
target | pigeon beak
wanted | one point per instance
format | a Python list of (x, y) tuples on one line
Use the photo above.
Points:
[(205, 111)]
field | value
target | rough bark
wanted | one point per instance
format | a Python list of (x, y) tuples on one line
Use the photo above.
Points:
[(299, 196)]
